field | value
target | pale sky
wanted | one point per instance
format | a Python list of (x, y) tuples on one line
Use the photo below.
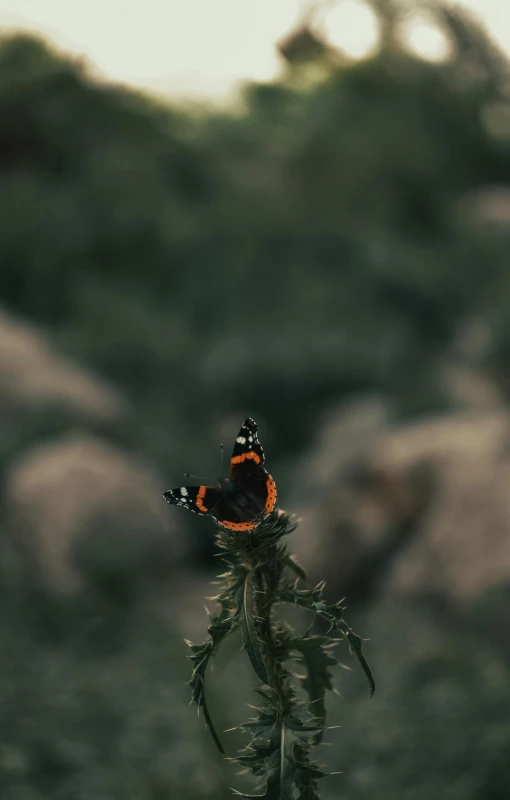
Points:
[(204, 48)]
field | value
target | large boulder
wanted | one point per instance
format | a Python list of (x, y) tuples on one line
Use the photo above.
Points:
[(84, 508), (34, 376), (462, 541), (420, 508)]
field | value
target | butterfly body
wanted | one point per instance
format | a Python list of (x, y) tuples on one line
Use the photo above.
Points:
[(239, 502)]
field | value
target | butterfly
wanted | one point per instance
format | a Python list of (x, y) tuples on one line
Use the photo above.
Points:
[(239, 502)]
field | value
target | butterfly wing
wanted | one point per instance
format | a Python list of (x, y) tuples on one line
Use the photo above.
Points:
[(199, 499), (247, 446), (233, 517), (247, 472)]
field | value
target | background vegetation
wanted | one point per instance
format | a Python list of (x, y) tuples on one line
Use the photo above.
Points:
[(326, 240)]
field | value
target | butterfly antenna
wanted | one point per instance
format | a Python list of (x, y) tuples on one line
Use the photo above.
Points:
[(222, 460), (198, 477)]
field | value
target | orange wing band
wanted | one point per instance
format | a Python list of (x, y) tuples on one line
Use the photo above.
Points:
[(239, 526), (198, 500), (244, 456), (271, 495)]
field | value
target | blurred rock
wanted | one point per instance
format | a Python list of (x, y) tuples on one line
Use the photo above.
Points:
[(469, 390), (488, 205), (87, 511), (418, 509), (462, 544), (33, 376), (325, 501)]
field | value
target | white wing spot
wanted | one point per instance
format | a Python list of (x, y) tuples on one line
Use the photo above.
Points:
[(241, 440), (184, 491)]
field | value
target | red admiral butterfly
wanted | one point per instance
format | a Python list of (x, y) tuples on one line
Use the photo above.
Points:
[(239, 502)]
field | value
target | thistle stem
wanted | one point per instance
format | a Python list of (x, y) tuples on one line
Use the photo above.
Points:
[(285, 732)]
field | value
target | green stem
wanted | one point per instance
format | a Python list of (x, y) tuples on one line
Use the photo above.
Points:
[(268, 580), (284, 731)]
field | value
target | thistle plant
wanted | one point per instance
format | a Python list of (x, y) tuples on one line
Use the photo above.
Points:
[(261, 573)]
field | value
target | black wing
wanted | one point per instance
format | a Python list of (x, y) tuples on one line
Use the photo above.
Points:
[(247, 472), (247, 446), (199, 499), (233, 516)]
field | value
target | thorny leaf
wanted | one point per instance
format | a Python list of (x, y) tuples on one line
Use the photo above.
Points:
[(355, 647), (219, 628), (295, 567), (247, 613), (284, 731), (312, 599), (314, 654), (278, 755)]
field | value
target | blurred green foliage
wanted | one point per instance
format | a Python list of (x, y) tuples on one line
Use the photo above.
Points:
[(93, 703), (273, 260), (93, 699), (316, 242), (437, 725)]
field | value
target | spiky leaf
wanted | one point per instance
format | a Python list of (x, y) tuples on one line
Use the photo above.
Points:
[(295, 567), (248, 613), (314, 652), (278, 755), (312, 599), (356, 648), (219, 628)]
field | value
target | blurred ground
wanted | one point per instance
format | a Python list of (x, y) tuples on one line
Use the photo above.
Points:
[(331, 259)]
